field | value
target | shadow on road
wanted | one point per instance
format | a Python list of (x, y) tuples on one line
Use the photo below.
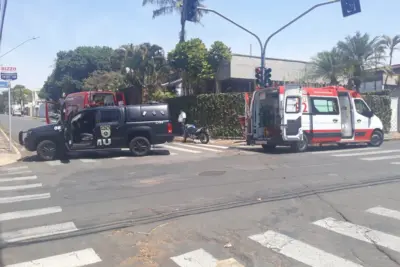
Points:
[(96, 155), (287, 150)]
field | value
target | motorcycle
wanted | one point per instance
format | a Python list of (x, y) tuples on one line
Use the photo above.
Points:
[(194, 133)]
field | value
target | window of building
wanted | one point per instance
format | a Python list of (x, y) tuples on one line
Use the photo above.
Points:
[(325, 105)]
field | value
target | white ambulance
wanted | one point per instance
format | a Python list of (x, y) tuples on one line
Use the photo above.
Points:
[(298, 117)]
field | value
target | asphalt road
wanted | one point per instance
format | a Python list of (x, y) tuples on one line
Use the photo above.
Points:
[(327, 207)]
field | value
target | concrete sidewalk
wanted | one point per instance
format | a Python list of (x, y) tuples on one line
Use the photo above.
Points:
[(7, 156)]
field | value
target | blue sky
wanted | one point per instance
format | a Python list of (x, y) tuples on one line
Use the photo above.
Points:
[(65, 24)]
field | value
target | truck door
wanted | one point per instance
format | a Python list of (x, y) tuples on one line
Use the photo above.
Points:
[(291, 111), (52, 112), (108, 131)]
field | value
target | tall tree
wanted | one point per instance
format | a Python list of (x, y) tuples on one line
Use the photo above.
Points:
[(217, 54), (72, 67), (104, 80), (327, 65), (145, 67), (191, 58), (168, 7), (391, 45), (360, 53)]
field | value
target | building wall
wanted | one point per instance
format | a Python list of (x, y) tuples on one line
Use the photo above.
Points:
[(243, 66)]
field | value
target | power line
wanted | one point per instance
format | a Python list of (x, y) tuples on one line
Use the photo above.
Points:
[(3, 15)]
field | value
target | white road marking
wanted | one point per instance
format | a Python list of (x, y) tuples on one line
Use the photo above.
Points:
[(343, 150), (395, 163), (367, 153), (13, 168), (181, 149), (73, 259), (200, 147), (381, 158), (37, 232), (28, 213), (23, 178), (119, 158), (394, 214), (15, 172), (5, 200), (300, 251), (215, 146), (196, 258), (54, 163), (361, 233), (87, 160), (125, 149), (19, 187)]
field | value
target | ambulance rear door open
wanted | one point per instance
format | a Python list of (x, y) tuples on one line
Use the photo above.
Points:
[(291, 113)]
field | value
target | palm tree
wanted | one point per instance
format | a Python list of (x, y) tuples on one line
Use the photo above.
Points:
[(360, 53), (391, 45), (327, 65), (168, 7), (145, 67)]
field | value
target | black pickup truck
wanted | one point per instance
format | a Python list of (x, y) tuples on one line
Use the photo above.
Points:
[(136, 127)]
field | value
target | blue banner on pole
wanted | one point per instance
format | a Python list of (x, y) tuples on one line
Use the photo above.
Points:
[(3, 84), (350, 7), (9, 76)]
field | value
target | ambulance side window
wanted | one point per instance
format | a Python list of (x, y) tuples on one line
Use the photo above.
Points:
[(361, 107), (324, 106)]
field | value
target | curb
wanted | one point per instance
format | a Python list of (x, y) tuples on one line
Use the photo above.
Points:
[(9, 157)]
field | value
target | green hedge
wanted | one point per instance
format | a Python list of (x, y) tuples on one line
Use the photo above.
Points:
[(219, 112), (380, 105)]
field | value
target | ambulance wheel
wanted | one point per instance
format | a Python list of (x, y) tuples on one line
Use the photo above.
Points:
[(47, 150), (140, 146), (300, 146), (376, 139), (268, 147)]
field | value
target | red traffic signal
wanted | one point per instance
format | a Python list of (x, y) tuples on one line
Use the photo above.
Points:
[(258, 70)]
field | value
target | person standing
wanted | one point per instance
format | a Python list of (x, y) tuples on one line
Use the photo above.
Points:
[(182, 120)]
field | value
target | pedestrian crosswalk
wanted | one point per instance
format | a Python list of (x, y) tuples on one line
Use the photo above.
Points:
[(170, 149), (16, 185), (368, 154), (305, 251)]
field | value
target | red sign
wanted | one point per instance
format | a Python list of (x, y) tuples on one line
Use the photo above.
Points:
[(10, 69)]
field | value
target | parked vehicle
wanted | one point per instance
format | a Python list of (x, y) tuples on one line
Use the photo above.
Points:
[(135, 127), (76, 102), (194, 133), (297, 117)]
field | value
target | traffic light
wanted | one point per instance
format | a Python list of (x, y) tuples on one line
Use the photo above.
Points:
[(267, 77), (190, 10), (258, 77)]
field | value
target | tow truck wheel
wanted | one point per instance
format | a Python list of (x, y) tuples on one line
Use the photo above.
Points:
[(140, 146), (300, 146), (376, 139), (47, 150)]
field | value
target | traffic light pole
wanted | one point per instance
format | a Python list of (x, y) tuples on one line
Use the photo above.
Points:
[(290, 23), (243, 28), (263, 48)]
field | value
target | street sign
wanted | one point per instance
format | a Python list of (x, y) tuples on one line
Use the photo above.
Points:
[(350, 7), (9, 76), (8, 69), (3, 84)]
